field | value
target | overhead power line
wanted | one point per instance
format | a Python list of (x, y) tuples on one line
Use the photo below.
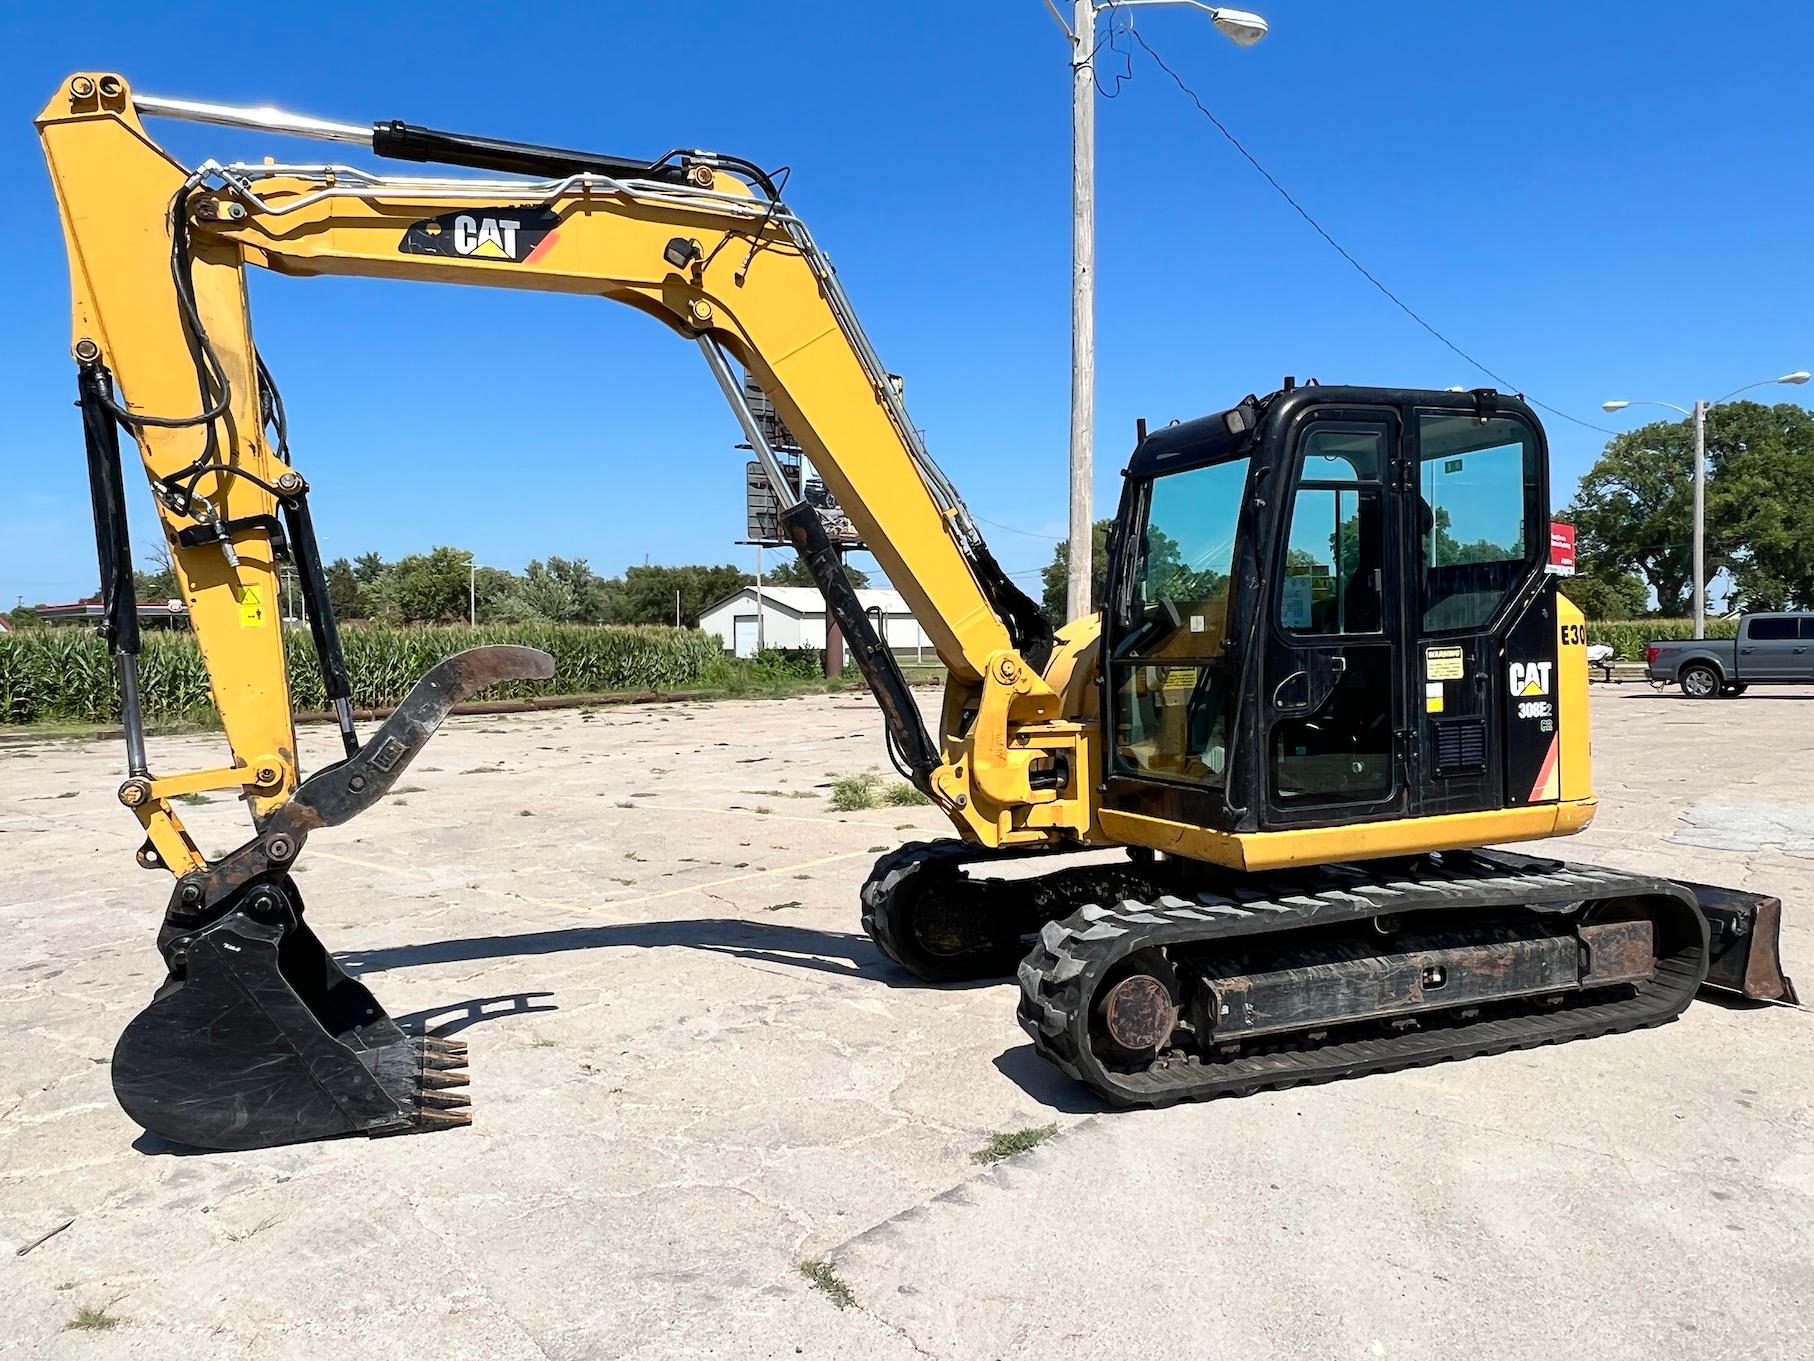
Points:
[(1031, 534), (1340, 249)]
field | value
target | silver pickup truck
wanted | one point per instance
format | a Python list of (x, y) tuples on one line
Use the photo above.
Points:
[(1771, 649)]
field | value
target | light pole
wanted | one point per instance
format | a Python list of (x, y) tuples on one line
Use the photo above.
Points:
[(1699, 417), (1245, 29), (472, 589)]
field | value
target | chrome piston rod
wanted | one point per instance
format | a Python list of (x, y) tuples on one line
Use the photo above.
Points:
[(264, 117)]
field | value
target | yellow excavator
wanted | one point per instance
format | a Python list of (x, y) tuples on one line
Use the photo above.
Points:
[(1329, 669)]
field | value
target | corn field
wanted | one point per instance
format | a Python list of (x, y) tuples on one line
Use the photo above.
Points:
[(50, 674), (1628, 637)]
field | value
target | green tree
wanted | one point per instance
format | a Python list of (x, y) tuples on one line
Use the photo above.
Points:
[(647, 593), (430, 588), (790, 570), (160, 582), (1607, 595), (1634, 511), (368, 568), (1054, 574), (345, 597), (1760, 514)]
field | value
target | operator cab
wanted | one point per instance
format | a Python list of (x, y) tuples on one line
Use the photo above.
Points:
[(1309, 599)]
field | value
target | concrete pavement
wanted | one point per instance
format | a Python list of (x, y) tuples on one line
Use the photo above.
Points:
[(693, 1074)]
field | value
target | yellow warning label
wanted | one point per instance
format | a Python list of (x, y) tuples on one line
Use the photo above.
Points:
[(1432, 697), (251, 609), (1442, 663)]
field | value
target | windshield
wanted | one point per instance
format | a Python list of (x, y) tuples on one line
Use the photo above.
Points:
[(1170, 669), (1179, 603)]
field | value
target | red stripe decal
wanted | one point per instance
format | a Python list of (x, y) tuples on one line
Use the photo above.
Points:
[(541, 246), (1549, 769)]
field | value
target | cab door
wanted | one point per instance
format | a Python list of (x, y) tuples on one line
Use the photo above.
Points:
[(1333, 701), (1771, 648)]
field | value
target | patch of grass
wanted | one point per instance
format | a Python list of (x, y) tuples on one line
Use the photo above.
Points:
[(192, 798), (854, 793), (483, 770), (1014, 1142), (90, 1319), (525, 812), (827, 1281), (763, 810), (409, 789), (240, 1235), (900, 794)]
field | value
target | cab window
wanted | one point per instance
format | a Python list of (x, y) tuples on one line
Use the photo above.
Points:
[(1334, 546), (1179, 604), (1171, 672), (1480, 521), (1779, 629)]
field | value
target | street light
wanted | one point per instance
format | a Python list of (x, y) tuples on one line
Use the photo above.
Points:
[(472, 588), (1699, 417), (1245, 29)]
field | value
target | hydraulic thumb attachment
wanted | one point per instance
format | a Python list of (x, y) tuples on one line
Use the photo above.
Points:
[(908, 741), (258, 1037)]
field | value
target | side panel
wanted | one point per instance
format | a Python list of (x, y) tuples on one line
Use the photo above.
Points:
[(1572, 691), (1531, 712)]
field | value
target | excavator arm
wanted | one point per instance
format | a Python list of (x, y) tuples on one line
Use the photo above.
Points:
[(698, 242), (163, 341)]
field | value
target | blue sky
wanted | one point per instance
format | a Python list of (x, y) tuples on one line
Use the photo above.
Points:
[(1594, 200)]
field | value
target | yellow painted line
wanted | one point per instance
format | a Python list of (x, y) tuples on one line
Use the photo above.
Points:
[(364, 864), (703, 888), (752, 813), (601, 910)]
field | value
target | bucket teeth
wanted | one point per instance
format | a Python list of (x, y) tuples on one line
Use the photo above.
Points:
[(438, 1079), (429, 1099), (431, 1119)]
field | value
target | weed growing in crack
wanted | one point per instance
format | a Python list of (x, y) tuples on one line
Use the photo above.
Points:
[(826, 1280), (1011, 1144)]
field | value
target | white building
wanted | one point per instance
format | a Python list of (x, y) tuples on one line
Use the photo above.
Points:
[(794, 616)]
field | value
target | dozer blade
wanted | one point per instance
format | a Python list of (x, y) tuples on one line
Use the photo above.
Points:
[(1743, 930), (258, 1037)]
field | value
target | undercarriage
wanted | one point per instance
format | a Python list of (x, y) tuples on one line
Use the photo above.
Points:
[(1166, 980)]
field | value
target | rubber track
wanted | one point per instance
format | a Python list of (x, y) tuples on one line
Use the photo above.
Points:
[(1055, 894), (1060, 976), (880, 890)]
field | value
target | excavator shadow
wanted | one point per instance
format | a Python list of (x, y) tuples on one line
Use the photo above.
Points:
[(1046, 1085), (847, 954), (453, 1017)]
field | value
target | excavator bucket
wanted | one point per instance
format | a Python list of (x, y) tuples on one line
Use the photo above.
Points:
[(258, 1037), (265, 1040)]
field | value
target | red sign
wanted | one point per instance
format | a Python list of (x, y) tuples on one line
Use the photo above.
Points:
[(1562, 549)]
